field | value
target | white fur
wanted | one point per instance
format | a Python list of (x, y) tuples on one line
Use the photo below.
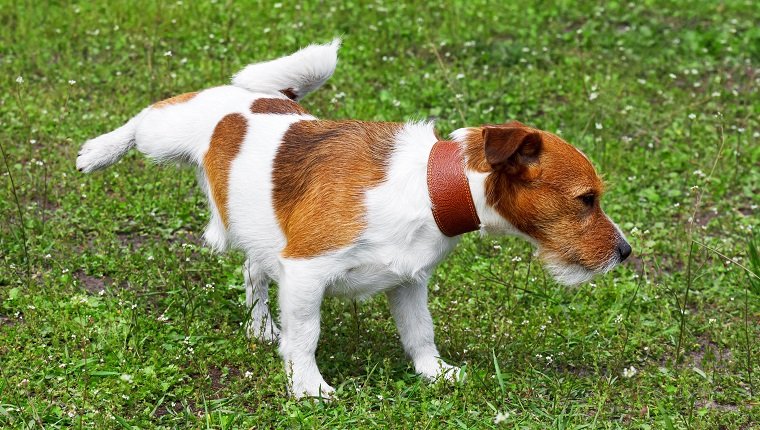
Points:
[(302, 72), (395, 254)]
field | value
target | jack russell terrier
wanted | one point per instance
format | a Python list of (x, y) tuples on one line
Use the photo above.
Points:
[(352, 208)]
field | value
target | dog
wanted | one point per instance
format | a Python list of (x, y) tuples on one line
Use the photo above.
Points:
[(351, 208)]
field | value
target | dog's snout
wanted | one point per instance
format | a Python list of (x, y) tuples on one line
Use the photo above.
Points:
[(623, 250)]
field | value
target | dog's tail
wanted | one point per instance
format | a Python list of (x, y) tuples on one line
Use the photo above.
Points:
[(295, 75), (107, 149)]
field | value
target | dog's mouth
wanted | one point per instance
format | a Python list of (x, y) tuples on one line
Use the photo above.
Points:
[(573, 274)]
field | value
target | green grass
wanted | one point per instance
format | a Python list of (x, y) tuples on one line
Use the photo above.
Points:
[(113, 314)]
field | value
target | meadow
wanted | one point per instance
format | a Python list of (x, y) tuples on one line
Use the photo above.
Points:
[(113, 314)]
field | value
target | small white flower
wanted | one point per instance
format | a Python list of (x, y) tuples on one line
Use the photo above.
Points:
[(460, 76), (593, 96), (598, 126), (72, 82), (711, 321), (101, 292), (162, 318), (248, 374), (168, 54), (501, 417), (692, 116), (20, 80), (618, 319), (629, 372), (126, 377)]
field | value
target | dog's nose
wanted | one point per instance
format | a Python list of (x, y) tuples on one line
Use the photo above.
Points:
[(623, 250)]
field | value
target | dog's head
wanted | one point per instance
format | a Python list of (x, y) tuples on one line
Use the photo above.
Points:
[(540, 187)]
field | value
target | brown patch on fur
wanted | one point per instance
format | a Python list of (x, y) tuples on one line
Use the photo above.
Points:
[(537, 191), (182, 98), (289, 93), (321, 172), (277, 106), (225, 145)]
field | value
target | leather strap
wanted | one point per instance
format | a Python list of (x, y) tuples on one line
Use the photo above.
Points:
[(453, 208)]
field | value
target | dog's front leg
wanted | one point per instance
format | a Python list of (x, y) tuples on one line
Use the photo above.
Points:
[(300, 300), (408, 303)]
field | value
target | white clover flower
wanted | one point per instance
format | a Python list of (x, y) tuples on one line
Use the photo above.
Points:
[(501, 417), (630, 372), (20, 80)]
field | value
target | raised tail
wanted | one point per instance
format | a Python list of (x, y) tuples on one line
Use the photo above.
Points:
[(107, 149), (295, 75)]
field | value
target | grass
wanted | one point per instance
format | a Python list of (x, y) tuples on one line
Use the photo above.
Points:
[(113, 314)]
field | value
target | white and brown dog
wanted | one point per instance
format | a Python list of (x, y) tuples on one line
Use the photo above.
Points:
[(352, 208)]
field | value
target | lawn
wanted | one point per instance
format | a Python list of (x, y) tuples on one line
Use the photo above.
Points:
[(113, 314)]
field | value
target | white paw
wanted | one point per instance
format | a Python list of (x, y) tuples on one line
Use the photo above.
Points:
[(87, 158), (315, 389), (435, 370), (265, 331)]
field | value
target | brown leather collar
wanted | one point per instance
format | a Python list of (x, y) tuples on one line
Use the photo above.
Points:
[(453, 209)]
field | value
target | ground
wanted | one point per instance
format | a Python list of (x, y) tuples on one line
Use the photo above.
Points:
[(113, 314)]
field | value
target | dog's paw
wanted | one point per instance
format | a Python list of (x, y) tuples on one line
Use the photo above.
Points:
[(87, 158), (438, 370), (315, 390)]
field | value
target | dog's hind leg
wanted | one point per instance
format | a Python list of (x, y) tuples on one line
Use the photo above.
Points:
[(261, 325)]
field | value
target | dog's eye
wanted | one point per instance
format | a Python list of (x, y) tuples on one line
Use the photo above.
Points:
[(588, 199)]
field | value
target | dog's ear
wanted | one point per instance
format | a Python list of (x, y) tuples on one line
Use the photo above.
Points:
[(511, 147)]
